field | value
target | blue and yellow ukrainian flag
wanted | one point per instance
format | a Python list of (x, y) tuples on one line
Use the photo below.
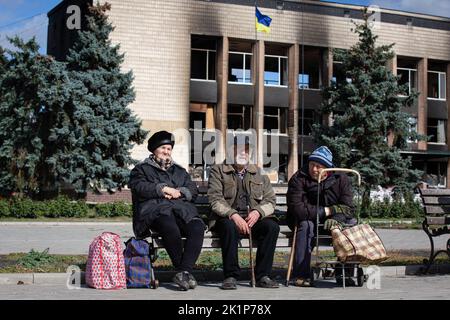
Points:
[(262, 21)]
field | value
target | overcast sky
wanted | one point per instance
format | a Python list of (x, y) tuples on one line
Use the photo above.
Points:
[(28, 18)]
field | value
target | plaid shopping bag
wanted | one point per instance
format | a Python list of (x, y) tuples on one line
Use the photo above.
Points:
[(359, 243), (138, 265)]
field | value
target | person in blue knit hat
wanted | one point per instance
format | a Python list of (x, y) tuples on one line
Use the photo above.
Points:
[(335, 206)]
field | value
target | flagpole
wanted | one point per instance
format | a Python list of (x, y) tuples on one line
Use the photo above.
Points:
[(256, 31), (258, 143), (303, 90)]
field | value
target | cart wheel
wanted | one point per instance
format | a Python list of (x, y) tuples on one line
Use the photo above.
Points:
[(155, 284), (314, 275), (360, 277)]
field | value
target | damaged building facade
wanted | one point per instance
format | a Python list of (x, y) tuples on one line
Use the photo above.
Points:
[(199, 67)]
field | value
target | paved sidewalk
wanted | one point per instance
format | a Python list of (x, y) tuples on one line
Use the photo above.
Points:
[(423, 287), (74, 238)]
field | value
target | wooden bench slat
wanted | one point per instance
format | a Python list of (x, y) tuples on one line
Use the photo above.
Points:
[(435, 192), (280, 189), (437, 200), (437, 209), (281, 200), (438, 220)]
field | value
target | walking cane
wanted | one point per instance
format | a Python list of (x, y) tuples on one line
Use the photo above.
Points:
[(250, 244), (291, 256), (251, 256)]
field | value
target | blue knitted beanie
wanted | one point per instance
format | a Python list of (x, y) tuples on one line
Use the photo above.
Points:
[(323, 156)]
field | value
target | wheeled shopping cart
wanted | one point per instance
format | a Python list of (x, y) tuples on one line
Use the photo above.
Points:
[(326, 266)]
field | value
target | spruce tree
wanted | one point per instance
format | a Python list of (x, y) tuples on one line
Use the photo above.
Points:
[(95, 134), (25, 79), (369, 126), (3, 61)]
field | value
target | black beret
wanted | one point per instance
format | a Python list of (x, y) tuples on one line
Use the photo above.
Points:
[(160, 138)]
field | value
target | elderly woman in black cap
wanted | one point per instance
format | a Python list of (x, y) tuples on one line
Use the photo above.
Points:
[(163, 196)]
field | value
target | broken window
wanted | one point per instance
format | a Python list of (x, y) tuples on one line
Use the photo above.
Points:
[(201, 116), (412, 127), (436, 129), (339, 73), (203, 58), (308, 122), (436, 174), (239, 117), (275, 119), (310, 70)]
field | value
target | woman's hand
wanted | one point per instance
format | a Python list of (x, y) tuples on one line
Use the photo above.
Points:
[(171, 193)]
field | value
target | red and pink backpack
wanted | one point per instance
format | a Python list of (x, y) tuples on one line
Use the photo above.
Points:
[(105, 268)]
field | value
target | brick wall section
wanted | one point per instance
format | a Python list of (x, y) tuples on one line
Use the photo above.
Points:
[(125, 195), (105, 197)]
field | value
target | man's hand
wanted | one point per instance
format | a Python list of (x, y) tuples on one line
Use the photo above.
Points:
[(171, 193), (240, 223), (328, 211), (252, 217)]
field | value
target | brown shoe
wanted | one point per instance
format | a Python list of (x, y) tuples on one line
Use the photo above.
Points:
[(181, 279), (229, 284), (192, 282), (266, 282), (302, 282)]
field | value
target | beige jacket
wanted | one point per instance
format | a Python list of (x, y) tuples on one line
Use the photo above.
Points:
[(222, 191)]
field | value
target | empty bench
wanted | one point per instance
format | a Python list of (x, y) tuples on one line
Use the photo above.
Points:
[(436, 204)]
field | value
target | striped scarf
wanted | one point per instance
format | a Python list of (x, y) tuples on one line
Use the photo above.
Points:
[(163, 164)]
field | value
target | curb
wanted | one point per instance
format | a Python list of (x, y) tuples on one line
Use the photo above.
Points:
[(209, 276)]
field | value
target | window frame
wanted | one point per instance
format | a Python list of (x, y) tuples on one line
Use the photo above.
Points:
[(243, 114), (207, 64), (279, 70), (244, 54), (409, 79), (411, 129), (313, 119), (439, 175), (282, 118), (348, 80), (439, 86), (437, 128)]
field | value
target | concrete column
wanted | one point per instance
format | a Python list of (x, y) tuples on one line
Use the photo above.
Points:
[(327, 76), (222, 96), (294, 65), (422, 77), (392, 66), (258, 105), (447, 96)]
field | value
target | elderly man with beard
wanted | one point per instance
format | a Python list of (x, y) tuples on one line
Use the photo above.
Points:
[(163, 201), (242, 201)]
